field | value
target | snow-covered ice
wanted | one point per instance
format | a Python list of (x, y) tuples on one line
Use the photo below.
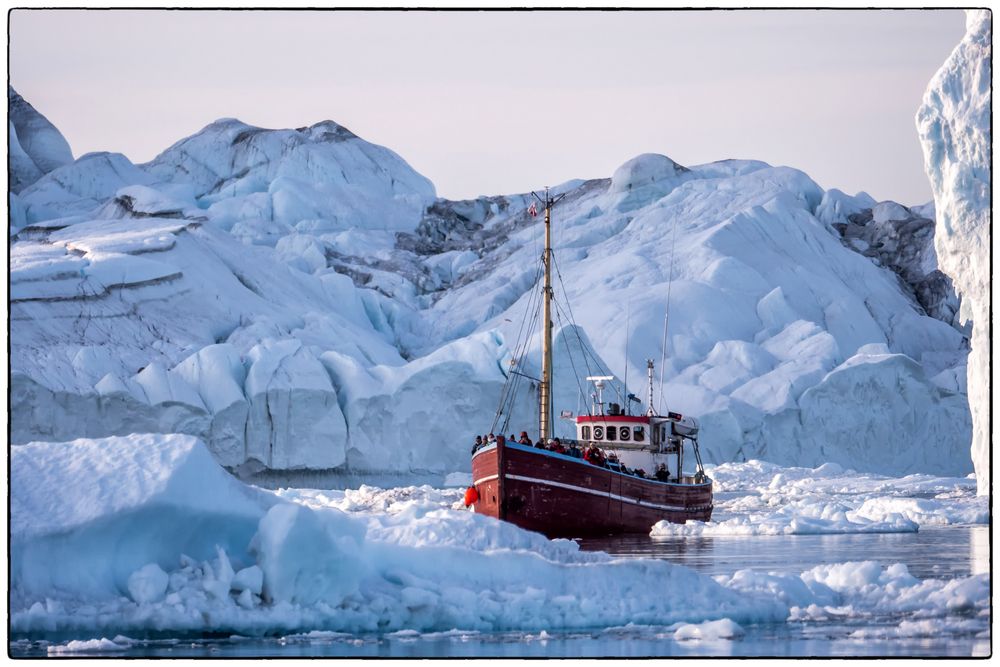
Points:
[(102, 645), (299, 300), (955, 123), (724, 628), (153, 536), (775, 500), (161, 538), (139, 308)]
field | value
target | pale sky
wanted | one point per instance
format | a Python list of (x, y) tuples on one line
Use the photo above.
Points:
[(505, 102)]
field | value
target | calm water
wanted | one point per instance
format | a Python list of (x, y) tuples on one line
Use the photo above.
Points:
[(931, 553), (938, 553)]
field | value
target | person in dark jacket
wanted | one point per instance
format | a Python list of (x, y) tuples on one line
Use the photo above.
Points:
[(478, 443), (524, 439), (662, 474)]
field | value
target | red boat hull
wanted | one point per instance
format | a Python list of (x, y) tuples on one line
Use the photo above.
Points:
[(561, 496)]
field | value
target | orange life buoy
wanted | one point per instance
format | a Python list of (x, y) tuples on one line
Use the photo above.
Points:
[(471, 495)]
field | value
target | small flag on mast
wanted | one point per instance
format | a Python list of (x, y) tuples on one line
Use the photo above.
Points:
[(532, 210)]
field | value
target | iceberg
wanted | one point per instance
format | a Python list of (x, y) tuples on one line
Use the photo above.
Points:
[(36, 145), (954, 122), (300, 300)]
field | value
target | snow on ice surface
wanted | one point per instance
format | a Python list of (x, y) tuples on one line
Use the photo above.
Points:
[(86, 515), (954, 123), (724, 628), (321, 568), (829, 499), (79, 187), (408, 561), (836, 206), (412, 312), (102, 645), (295, 175)]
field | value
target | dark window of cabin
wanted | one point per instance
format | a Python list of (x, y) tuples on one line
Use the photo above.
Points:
[(638, 434), (623, 433), (612, 432), (585, 432), (598, 433)]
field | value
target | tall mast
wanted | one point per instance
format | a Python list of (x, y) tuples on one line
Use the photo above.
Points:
[(545, 388)]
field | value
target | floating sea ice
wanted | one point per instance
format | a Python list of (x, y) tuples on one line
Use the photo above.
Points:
[(925, 511), (934, 628), (102, 645), (723, 628), (865, 588), (761, 498)]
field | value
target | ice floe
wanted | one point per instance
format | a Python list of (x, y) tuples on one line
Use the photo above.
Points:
[(829, 499), (146, 534)]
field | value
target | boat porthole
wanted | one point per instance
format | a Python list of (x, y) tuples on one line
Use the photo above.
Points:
[(598, 433)]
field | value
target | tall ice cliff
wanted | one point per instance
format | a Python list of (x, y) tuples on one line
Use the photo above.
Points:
[(954, 123)]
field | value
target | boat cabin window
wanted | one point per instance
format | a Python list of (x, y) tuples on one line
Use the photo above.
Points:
[(598, 433), (638, 434), (585, 432), (624, 433), (663, 434), (612, 431)]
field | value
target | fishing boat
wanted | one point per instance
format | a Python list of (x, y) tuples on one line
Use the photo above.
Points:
[(621, 473)]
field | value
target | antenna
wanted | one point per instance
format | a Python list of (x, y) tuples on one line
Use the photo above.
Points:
[(598, 381)]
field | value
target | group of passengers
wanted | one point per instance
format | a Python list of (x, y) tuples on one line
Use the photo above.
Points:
[(592, 454)]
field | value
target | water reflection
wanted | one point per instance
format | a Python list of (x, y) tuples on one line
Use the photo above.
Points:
[(945, 552), (979, 550)]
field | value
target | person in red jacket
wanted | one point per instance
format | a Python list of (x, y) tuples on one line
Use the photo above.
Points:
[(593, 455)]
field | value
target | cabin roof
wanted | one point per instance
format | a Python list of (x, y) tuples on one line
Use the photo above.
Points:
[(586, 419)]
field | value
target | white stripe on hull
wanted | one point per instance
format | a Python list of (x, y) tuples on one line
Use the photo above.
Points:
[(603, 494), (484, 479)]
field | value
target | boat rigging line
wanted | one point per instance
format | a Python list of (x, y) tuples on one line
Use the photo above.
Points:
[(576, 329), (666, 314)]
